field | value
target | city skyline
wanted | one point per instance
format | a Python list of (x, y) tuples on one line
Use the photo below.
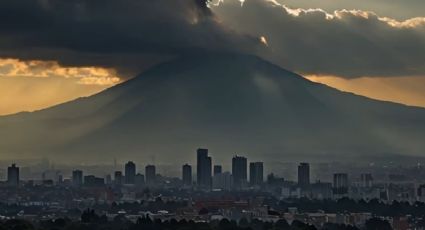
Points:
[(245, 191), (243, 174)]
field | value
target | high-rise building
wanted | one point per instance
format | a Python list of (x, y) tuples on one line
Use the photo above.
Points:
[(366, 180), (118, 178), (150, 175), (223, 181), (340, 185), (60, 179), (108, 179), (275, 181), (93, 181), (187, 175), (130, 172), (77, 178), (203, 169), (321, 190), (239, 171), (140, 179), (256, 173), (217, 169), (13, 175), (303, 175)]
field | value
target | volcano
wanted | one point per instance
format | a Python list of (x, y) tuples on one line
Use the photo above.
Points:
[(229, 103)]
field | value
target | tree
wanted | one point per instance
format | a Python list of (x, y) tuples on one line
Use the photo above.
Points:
[(89, 216), (203, 211), (298, 225), (243, 223), (281, 224), (377, 224), (18, 225)]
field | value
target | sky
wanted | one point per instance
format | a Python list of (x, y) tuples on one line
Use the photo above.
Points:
[(53, 51)]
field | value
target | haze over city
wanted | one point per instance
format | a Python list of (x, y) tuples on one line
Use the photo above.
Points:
[(212, 114)]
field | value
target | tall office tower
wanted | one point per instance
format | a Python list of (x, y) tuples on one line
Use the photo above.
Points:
[(256, 173), (140, 179), (77, 178), (150, 175), (366, 180), (118, 178), (60, 179), (217, 169), (108, 179), (223, 181), (303, 175), (239, 171), (130, 172), (187, 175), (93, 181), (13, 175), (203, 169), (340, 185)]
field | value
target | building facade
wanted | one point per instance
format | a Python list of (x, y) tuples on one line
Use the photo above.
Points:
[(130, 173), (187, 175), (239, 172), (304, 175), (256, 173), (203, 170), (13, 175)]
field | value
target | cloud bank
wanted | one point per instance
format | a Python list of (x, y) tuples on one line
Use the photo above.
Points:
[(12, 68), (399, 9), (347, 43), (120, 34), (130, 35)]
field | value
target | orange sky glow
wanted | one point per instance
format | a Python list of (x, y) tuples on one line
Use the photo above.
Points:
[(404, 90), (34, 85)]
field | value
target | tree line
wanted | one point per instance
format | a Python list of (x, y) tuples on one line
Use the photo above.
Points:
[(92, 221)]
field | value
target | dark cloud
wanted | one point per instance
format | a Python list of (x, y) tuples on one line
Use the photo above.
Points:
[(344, 43), (110, 32), (131, 35)]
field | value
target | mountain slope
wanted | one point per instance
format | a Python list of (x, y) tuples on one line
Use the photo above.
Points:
[(227, 102)]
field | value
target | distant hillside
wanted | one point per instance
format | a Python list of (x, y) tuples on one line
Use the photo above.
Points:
[(226, 102)]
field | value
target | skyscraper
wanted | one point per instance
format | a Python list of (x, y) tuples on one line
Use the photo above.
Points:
[(217, 169), (303, 175), (13, 175), (150, 175), (130, 172), (256, 173), (366, 180), (93, 181), (140, 179), (223, 181), (187, 175), (239, 171), (108, 179), (77, 178), (118, 178), (340, 185), (203, 169), (60, 179)]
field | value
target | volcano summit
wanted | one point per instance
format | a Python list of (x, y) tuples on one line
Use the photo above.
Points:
[(226, 102)]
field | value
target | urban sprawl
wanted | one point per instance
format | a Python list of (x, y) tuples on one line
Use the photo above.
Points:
[(208, 196)]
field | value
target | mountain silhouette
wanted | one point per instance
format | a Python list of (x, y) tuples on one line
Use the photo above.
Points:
[(230, 103)]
